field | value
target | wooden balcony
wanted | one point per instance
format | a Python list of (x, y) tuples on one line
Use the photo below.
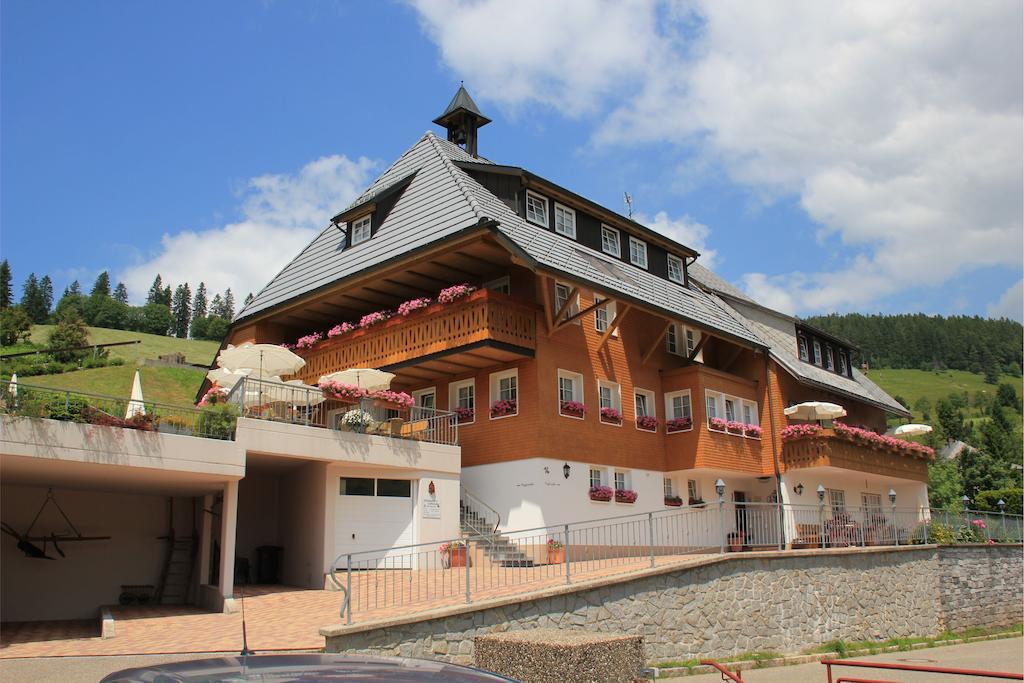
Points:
[(829, 450), (485, 329)]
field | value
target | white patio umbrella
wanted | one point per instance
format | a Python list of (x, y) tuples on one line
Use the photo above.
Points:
[(911, 430), (12, 386), (135, 405), (229, 378), (295, 393), (267, 359), (364, 378), (814, 410)]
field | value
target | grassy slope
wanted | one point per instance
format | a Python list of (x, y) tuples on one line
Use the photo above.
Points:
[(913, 384), (153, 345), (160, 384)]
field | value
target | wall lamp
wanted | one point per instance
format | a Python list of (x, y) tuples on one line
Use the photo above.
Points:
[(799, 489), (821, 493), (566, 469)]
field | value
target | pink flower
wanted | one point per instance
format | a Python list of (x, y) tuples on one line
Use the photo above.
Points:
[(339, 330), (752, 430), (574, 408), (678, 424), (215, 394), (454, 293), (601, 493), (799, 431), (980, 523), (648, 422), (397, 397), (611, 415), (407, 307), (464, 414), (625, 496), (503, 408), (309, 341), (341, 391), (374, 318), (717, 423)]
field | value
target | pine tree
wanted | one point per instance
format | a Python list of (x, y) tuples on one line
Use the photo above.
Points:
[(6, 293), (121, 293), (217, 306), (156, 291), (32, 300), (69, 332), (75, 288), (46, 292), (229, 304), (199, 307), (248, 299), (168, 298), (102, 285), (181, 310)]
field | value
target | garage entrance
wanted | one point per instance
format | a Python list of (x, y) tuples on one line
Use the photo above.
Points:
[(372, 514)]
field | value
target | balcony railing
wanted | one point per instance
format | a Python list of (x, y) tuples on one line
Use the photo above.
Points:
[(292, 404), (828, 449), (482, 316), (27, 400)]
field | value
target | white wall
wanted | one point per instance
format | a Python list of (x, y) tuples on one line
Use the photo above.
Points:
[(93, 571), (302, 528), (909, 494)]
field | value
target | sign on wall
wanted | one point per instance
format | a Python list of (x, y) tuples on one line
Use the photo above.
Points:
[(431, 508)]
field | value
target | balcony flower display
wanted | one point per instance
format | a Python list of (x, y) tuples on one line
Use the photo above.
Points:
[(799, 431), (309, 341), (453, 554), (647, 422), (454, 293), (464, 414), (339, 330), (678, 424), (625, 496), (734, 427), (603, 493), (503, 408), (718, 424), (357, 420), (407, 307), (142, 421), (752, 430), (880, 441), (340, 391), (371, 319), (696, 502), (611, 416), (556, 552), (398, 398), (215, 394), (286, 345), (673, 501), (572, 408)]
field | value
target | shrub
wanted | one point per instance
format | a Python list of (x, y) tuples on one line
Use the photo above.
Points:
[(986, 500), (15, 326), (70, 331), (218, 421)]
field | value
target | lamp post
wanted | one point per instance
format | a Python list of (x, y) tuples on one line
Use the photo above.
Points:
[(1001, 504), (895, 526), (720, 490)]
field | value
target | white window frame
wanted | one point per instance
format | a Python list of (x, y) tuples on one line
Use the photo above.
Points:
[(577, 390), (602, 476), (624, 476), (836, 500), (608, 232), (844, 364), (604, 315), (668, 487), (729, 403), (614, 400), (816, 345), (802, 348), (494, 389), (420, 393), (830, 359), (670, 407), (711, 403), (639, 263), (501, 284), (691, 337), (543, 221), (692, 490), (574, 307), (562, 211), (674, 260), (652, 407), (672, 340), (740, 409), (357, 227), (453, 396)]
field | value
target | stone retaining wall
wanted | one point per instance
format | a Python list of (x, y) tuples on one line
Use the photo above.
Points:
[(777, 601), (981, 586)]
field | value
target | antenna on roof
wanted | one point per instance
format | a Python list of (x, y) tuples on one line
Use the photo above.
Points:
[(628, 198)]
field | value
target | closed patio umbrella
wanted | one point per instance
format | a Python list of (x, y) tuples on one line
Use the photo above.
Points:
[(911, 430), (12, 387), (814, 410), (364, 378), (136, 405), (267, 359)]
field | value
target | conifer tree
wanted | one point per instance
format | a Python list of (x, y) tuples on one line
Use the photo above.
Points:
[(181, 310), (121, 293), (6, 292), (156, 291)]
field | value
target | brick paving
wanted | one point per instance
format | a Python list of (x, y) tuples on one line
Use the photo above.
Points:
[(285, 618)]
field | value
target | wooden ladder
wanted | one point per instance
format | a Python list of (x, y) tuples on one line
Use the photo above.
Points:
[(179, 565)]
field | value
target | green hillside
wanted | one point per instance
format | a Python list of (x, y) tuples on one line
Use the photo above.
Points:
[(913, 385), (160, 384), (153, 345)]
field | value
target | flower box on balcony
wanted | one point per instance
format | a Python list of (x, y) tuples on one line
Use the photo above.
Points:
[(678, 424), (696, 503), (465, 415), (572, 409), (734, 427), (717, 424), (647, 423), (673, 501), (625, 496), (753, 431), (601, 493), (454, 293), (504, 409), (611, 416), (453, 554)]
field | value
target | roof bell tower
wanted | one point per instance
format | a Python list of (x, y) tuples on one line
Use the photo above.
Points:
[(463, 119)]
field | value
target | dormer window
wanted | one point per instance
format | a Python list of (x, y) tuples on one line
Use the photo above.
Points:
[(802, 344), (610, 243), (675, 269), (536, 209), (830, 359), (817, 352), (844, 368), (638, 252), (565, 221), (360, 230)]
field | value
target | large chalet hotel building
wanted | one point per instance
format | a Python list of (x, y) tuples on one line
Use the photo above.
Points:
[(592, 352)]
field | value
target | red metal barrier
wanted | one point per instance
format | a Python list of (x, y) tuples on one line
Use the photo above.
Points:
[(726, 674), (829, 663)]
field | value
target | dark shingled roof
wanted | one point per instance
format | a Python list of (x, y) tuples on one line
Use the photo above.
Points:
[(462, 100)]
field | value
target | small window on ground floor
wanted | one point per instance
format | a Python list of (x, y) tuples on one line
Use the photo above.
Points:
[(837, 500), (356, 486), (621, 481), (394, 488), (871, 502), (596, 477), (692, 489), (667, 485)]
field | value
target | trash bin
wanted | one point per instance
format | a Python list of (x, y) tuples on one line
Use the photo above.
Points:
[(268, 564)]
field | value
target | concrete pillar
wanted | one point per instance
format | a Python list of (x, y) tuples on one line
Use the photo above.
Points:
[(228, 513), (205, 538)]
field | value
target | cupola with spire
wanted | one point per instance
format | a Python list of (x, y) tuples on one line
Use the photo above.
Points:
[(462, 119)]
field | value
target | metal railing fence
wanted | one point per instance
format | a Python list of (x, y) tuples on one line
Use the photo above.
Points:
[(304, 405), (492, 564), (28, 400)]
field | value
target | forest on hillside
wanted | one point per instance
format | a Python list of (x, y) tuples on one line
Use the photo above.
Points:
[(924, 342)]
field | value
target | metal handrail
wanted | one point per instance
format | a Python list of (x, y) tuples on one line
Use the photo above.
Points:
[(829, 663), (463, 489), (726, 674)]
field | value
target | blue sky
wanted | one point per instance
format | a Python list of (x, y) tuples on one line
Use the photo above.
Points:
[(820, 160)]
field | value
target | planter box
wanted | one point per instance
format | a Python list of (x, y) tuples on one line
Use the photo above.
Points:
[(457, 557), (556, 555)]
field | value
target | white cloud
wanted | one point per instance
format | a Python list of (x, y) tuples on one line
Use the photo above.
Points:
[(280, 214), (1010, 304), (897, 125), (684, 230)]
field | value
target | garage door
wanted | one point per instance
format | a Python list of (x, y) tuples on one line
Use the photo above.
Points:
[(373, 515)]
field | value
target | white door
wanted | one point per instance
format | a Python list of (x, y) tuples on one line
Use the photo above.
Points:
[(373, 515)]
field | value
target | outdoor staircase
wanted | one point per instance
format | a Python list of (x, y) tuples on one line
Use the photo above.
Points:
[(498, 549), (179, 564)]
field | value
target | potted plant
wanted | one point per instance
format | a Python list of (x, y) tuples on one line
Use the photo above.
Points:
[(736, 540), (573, 409), (673, 501), (340, 329), (503, 408), (407, 307), (375, 318), (309, 341), (648, 423), (717, 424), (453, 554), (601, 493), (464, 415), (625, 496), (611, 416), (753, 431), (356, 420), (397, 398), (678, 424), (734, 427), (556, 552)]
